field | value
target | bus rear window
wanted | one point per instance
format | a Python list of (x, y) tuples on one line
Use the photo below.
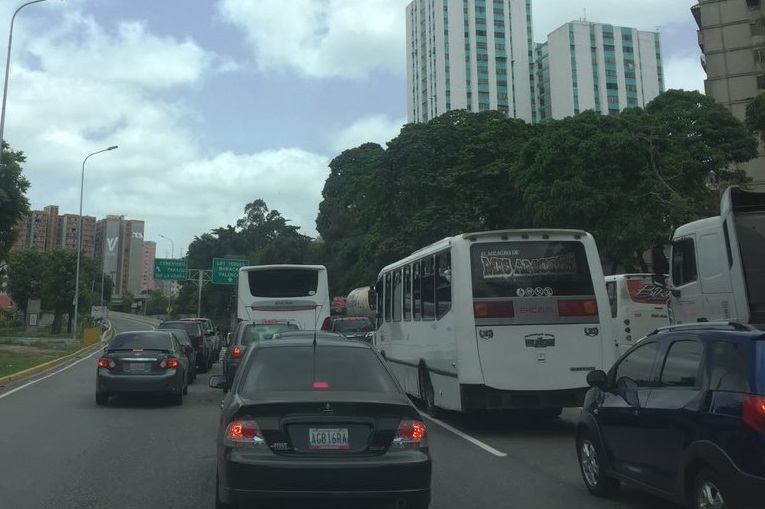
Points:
[(530, 269), (277, 283)]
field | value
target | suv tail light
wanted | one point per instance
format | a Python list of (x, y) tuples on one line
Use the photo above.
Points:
[(753, 412), (236, 352), (245, 433), (411, 435), (577, 307), (326, 324), (105, 362), (171, 363), (500, 309)]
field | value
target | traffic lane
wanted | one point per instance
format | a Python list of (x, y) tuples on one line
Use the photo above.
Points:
[(125, 322), (546, 449), (60, 450)]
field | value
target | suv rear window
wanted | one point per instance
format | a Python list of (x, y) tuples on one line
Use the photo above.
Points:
[(142, 340), (290, 368), (193, 329), (353, 325), (536, 268)]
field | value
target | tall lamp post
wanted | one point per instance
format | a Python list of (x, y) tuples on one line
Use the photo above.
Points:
[(7, 69), (79, 242), (172, 245)]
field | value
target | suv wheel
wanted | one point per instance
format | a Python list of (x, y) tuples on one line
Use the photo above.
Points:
[(591, 466), (707, 493)]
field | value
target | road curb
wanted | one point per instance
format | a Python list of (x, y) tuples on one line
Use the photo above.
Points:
[(106, 336)]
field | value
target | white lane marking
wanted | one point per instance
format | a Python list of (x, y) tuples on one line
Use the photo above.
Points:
[(49, 375), (465, 436)]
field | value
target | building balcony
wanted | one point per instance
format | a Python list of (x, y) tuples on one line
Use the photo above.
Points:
[(696, 12)]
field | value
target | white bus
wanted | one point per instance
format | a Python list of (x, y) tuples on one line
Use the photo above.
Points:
[(497, 320), (297, 292), (638, 307)]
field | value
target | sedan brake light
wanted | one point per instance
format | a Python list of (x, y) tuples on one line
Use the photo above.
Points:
[(245, 433), (320, 385), (753, 412), (171, 363), (236, 352), (410, 435), (106, 362)]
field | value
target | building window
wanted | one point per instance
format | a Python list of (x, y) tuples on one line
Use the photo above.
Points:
[(761, 81)]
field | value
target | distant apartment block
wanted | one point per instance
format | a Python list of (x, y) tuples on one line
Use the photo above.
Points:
[(732, 40), (474, 55), (147, 276), (595, 66), (120, 253), (46, 229)]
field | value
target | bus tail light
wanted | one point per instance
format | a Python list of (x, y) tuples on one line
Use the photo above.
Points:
[(577, 307), (498, 309)]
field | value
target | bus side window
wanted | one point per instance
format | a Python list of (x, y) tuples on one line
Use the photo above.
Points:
[(388, 297), (443, 284), (397, 294), (416, 291), (428, 289), (407, 293), (611, 287)]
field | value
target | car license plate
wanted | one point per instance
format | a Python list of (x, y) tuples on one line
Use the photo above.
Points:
[(328, 438), (136, 367)]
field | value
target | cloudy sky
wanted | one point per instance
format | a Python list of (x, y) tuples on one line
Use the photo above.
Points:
[(215, 103)]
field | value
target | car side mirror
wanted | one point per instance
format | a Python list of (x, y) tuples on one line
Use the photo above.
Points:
[(676, 292), (218, 382), (597, 378)]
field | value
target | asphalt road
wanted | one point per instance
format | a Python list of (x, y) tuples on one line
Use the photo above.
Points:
[(59, 450)]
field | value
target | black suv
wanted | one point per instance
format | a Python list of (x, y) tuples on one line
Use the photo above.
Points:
[(682, 415), (196, 333)]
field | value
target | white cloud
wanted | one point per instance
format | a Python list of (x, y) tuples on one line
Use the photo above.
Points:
[(346, 38), (376, 129)]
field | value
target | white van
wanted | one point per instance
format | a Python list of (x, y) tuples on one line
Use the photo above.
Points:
[(638, 307)]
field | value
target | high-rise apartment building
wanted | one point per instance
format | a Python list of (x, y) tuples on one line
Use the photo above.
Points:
[(46, 230), (120, 253), (147, 276), (600, 67), (68, 231), (732, 40), (469, 54)]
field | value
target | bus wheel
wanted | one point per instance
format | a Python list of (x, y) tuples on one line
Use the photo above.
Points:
[(428, 394)]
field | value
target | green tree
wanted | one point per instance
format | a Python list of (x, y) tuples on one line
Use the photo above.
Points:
[(25, 276), (755, 115), (13, 201)]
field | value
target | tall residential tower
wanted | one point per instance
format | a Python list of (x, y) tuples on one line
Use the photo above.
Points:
[(469, 54)]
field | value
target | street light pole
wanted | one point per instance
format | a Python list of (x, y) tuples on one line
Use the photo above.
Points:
[(79, 243), (172, 245), (7, 69)]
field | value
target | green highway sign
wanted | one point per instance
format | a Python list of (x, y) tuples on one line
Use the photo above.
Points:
[(225, 270), (170, 269)]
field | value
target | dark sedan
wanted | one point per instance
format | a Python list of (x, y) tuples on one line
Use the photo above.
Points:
[(319, 420), (188, 350), (145, 362)]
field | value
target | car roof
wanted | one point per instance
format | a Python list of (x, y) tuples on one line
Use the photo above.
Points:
[(709, 333), (321, 341)]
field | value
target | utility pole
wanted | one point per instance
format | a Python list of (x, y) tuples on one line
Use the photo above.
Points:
[(200, 277)]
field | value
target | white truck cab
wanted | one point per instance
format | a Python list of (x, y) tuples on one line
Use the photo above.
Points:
[(717, 268)]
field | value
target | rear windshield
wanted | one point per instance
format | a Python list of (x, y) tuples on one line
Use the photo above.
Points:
[(291, 368), (278, 283), (141, 340), (353, 325), (192, 328), (260, 332), (750, 231), (530, 269)]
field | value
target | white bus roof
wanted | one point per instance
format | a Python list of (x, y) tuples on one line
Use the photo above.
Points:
[(281, 266)]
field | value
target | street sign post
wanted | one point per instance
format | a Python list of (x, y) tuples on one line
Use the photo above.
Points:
[(226, 270), (169, 269)]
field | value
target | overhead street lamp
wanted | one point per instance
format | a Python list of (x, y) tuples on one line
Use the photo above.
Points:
[(79, 242), (172, 245), (7, 69)]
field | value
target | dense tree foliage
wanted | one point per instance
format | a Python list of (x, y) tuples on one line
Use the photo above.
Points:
[(629, 179), (13, 201), (50, 276)]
